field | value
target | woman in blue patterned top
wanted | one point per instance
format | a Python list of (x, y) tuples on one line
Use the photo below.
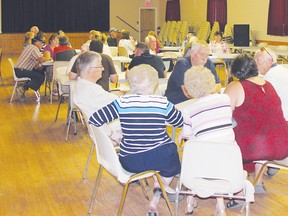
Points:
[(143, 116)]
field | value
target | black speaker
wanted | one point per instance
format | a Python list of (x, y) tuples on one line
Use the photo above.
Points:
[(241, 35)]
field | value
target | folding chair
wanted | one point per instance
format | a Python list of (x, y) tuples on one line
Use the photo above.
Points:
[(212, 169), (108, 159)]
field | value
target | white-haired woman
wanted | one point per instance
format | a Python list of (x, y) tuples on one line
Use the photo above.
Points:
[(208, 118), (145, 144)]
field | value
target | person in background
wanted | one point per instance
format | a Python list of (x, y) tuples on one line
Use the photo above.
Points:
[(29, 65), (89, 96), (109, 72), (187, 40), (218, 45), (112, 40), (93, 34), (52, 43), (261, 131), (126, 42), (145, 144), (208, 118), (158, 42), (186, 51), (35, 30), (28, 38), (142, 56), (63, 45), (175, 91), (106, 48), (61, 33), (151, 41)]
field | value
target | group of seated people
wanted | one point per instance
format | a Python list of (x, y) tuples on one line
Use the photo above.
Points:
[(252, 113), (248, 114)]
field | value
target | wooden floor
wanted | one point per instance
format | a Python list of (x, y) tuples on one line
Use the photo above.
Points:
[(41, 174)]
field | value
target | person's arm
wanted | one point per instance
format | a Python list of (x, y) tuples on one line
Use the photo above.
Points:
[(236, 93), (165, 73), (73, 72), (174, 116), (104, 115), (114, 78)]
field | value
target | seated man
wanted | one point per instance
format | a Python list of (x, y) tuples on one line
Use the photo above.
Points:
[(112, 39), (63, 45), (109, 71), (276, 74), (142, 56), (88, 95), (175, 91), (29, 65)]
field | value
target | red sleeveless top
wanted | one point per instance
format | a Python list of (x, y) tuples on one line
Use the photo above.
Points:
[(261, 131)]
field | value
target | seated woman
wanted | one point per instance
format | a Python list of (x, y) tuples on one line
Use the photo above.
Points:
[(261, 131), (208, 118), (145, 144), (53, 42), (127, 42), (218, 45)]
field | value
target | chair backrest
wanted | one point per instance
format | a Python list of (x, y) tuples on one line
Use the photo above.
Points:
[(122, 51), (106, 154), (12, 68), (118, 66), (65, 55), (114, 51), (212, 161)]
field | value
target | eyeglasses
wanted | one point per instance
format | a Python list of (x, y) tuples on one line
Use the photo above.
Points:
[(264, 49)]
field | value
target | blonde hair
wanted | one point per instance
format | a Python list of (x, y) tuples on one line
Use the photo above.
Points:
[(28, 37), (199, 81), (143, 79)]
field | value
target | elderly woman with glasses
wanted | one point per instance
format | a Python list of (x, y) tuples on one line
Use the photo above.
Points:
[(145, 144), (261, 131)]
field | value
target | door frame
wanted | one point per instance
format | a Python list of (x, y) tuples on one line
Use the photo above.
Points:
[(156, 20)]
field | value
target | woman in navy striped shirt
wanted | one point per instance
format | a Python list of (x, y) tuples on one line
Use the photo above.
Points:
[(143, 116)]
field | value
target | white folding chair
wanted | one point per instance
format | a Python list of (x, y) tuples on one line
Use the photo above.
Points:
[(265, 164), (73, 110), (212, 169), (56, 65), (108, 159), (17, 80)]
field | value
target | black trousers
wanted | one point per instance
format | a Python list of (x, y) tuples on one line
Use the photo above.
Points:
[(37, 77)]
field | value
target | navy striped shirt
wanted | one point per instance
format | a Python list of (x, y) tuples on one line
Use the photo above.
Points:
[(143, 121)]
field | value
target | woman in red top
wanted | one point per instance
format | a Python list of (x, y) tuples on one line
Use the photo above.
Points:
[(261, 131)]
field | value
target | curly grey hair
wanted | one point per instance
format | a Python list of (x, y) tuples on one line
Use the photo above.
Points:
[(199, 81), (143, 80)]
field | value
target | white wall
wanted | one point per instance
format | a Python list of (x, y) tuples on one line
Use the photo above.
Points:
[(128, 10), (253, 12)]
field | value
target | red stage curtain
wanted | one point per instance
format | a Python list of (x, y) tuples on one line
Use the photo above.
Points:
[(278, 18), (173, 10), (217, 12)]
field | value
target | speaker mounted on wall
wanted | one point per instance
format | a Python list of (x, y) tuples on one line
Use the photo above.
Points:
[(241, 34)]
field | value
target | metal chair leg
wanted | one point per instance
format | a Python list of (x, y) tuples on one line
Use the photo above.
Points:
[(88, 161), (14, 89), (95, 190)]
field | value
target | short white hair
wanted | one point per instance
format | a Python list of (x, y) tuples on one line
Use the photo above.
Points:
[(198, 44), (267, 53), (143, 79)]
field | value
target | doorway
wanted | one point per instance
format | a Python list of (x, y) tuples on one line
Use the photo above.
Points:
[(147, 22)]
